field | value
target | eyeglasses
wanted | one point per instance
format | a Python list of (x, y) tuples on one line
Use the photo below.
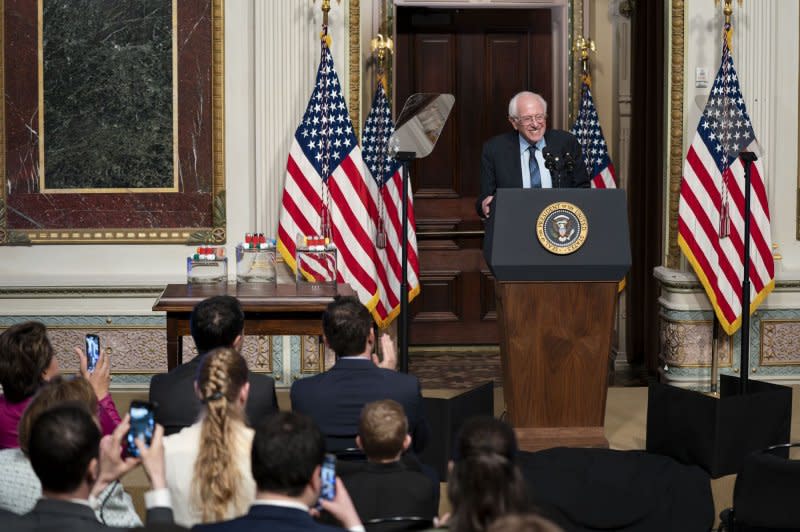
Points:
[(529, 119)]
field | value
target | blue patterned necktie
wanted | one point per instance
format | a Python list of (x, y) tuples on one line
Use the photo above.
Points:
[(536, 178)]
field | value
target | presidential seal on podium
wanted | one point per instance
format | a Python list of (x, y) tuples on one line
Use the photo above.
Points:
[(562, 228)]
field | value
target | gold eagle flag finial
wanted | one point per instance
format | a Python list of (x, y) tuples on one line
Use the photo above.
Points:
[(382, 46), (326, 7), (583, 46)]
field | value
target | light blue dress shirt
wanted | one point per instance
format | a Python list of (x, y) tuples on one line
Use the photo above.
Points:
[(524, 155)]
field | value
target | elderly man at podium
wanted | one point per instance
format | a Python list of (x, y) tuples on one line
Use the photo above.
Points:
[(531, 156)]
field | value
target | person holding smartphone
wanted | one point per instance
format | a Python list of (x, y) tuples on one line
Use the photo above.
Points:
[(27, 360)]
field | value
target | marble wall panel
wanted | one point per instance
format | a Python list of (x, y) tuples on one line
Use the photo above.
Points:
[(107, 91), (196, 126)]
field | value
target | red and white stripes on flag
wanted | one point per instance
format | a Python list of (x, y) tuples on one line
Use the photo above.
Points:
[(713, 183), (386, 186), (324, 180), (593, 144)]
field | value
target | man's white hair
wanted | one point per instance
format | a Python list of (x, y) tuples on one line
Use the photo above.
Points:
[(512, 105)]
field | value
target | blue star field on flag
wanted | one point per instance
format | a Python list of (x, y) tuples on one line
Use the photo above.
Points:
[(377, 130), (725, 126), (590, 135), (326, 135)]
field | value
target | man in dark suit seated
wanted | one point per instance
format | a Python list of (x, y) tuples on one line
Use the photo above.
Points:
[(531, 156), (385, 486), (73, 466), (334, 399), (215, 322), (287, 454)]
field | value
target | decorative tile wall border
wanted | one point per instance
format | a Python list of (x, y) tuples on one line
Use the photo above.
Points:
[(780, 343), (138, 344), (688, 344)]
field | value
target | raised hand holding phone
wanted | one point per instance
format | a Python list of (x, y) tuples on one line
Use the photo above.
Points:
[(143, 424), (92, 351), (328, 478)]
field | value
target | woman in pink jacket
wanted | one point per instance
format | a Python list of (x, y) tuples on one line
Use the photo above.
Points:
[(26, 361)]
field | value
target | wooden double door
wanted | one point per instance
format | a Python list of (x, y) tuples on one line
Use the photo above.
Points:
[(483, 57)]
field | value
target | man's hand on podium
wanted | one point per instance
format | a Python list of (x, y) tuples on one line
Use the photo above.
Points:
[(485, 205)]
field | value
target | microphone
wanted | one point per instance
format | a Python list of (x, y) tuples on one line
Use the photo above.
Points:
[(549, 159)]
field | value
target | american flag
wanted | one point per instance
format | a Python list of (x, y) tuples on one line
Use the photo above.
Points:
[(324, 182), (595, 154), (386, 187), (713, 182)]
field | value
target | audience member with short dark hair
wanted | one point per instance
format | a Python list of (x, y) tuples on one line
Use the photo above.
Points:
[(484, 482), (523, 523), (27, 361), (385, 486), (21, 488), (215, 322), (73, 465), (334, 399), (208, 464), (287, 454)]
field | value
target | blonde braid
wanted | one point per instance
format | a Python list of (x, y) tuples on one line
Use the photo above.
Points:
[(217, 481)]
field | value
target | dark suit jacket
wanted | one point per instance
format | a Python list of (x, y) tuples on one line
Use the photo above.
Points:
[(263, 518), (389, 490), (501, 168), (65, 516), (179, 407), (334, 400)]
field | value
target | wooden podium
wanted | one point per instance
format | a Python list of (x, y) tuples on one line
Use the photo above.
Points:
[(556, 312)]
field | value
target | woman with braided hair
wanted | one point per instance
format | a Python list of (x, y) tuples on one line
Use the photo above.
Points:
[(208, 463), (485, 482)]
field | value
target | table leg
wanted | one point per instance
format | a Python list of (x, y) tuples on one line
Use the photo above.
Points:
[(174, 344)]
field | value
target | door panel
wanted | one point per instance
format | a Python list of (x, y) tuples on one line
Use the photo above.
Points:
[(482, 57)]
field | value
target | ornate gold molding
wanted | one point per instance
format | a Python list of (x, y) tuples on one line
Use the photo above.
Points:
[(675, 131), (574, 91), (354, 32)]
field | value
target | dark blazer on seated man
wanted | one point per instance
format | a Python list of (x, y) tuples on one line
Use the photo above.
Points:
[(67, 456), (506, 159), (334, 399), (215, 322)]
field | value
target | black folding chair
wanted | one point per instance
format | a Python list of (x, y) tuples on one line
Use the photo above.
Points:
[(766, 493)]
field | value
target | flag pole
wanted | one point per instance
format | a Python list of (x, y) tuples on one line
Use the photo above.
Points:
[(748, 158), (714, 353)]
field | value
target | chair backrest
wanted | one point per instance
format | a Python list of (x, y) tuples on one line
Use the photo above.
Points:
[(767, 489), (392, 524)]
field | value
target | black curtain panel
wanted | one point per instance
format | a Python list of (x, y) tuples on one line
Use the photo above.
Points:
[(646, 182)]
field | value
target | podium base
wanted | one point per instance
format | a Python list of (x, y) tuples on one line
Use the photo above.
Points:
[(537, 438)]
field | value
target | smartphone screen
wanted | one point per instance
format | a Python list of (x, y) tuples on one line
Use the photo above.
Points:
[(328, 477), (142, 425), (92, 351)]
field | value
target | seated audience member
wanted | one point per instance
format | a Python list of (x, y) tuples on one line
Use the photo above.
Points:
[(20, 488), (484, 482), (287, 455), (385, 486), (26, 361), (208, 464), (215, 322), (334, 399), (74, 465), (523, 523)]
